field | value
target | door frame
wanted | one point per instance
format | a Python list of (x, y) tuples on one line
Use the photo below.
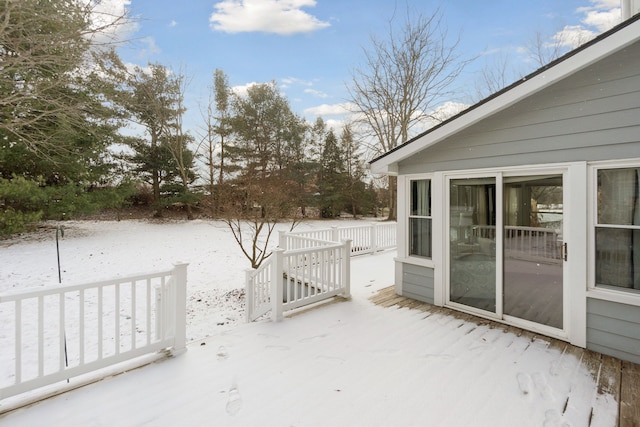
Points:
[(574, 234)]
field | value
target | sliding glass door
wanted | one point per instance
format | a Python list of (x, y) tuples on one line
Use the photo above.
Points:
[(472, 218), (533, 219), (506, 248)]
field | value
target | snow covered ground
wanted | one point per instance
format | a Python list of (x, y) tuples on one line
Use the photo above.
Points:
[(344, 364)]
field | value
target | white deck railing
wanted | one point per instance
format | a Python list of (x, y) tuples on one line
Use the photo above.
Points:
[(59, 332), (295, 278), (365, 239), (527, 243)]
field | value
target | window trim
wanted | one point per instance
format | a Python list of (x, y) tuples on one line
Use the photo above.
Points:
[(411, 258), (603, 292)]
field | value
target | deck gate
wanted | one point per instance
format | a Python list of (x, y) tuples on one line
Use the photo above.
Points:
[(290, 279)]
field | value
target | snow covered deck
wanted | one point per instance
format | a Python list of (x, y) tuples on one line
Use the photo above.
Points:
[(356, 363), (617, 378)]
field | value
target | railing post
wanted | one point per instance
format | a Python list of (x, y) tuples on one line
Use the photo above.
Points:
[(335, 235), (277, 283), (180, 282), (346, 269), (249, 294), (282, 239), (374, 240)]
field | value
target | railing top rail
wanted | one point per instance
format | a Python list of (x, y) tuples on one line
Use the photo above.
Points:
[(328, 245), (299, 232), (379, 224), (255, 271), (311, 239), (56, 289), (514, 227), (523, 228)]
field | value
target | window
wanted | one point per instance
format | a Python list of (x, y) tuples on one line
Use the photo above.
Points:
[(617, 229), (420, 218)]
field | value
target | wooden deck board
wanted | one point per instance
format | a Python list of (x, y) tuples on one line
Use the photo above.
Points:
[(617, 378), (630, 395)]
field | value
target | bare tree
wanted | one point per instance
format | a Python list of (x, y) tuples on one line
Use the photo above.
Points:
[(263, 192), (542, 50), (214, 138), (178, 143), (403, 79), (252, 211), (495, 76)]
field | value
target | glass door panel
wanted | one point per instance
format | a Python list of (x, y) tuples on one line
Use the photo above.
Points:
[(472, 234), (532, 281)]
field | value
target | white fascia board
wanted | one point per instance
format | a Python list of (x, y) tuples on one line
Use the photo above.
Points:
[(384, 169), (594, 53)]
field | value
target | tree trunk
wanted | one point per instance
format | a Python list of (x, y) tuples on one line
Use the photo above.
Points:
[(393, 193)]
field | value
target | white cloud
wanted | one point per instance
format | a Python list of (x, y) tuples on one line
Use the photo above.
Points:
[(600, 5), (241, 90), (316, 93), (603, 20), (599, 16), (448, 109), (109, 18), (133, 68), (149, 47), (284, 17), (288, 81), (173, 23), (572, 36), (330, 110)]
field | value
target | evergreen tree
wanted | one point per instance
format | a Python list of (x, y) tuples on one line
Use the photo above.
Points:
[(57, 116), (358, 199), (332, 178), (267, 146), (161, 158)]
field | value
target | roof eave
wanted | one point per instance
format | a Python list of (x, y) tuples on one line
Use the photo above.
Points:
[(542, 78)]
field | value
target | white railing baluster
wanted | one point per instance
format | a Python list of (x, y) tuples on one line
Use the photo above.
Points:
[(40, 335), (133, 315), (116, 313), (148, 310), (18, 341), (62, 335), (100, 326), (81, 326)]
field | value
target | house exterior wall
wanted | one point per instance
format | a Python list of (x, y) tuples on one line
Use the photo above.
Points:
[(613, 329), (417, 282), (591, 116)]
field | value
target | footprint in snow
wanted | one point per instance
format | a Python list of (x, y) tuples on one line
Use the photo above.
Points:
[(543, 388), (234, 401), (222, 353), (268, 336), (524, 383), (314, 338)]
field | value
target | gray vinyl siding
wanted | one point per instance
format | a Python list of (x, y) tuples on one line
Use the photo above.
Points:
[(417, 282), (613, 329), (592, 115)]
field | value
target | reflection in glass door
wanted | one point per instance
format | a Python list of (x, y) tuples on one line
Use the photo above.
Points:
[(532, 285), (472, 237), (505, 246)]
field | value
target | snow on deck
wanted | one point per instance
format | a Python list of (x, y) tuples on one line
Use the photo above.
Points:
[(349, 363)]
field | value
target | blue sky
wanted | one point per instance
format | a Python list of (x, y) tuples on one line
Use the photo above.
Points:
[(310, 47)]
